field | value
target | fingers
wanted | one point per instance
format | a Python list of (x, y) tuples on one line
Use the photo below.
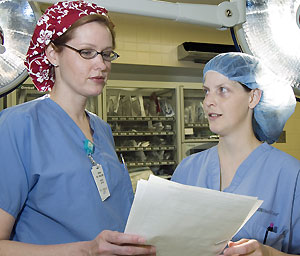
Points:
[(121, 238), (115, 243), (127, 250), (152, 254), (230, 243), (243, 247)]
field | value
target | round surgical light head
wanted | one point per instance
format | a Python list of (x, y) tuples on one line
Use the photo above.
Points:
[(2, 47), (18, 19), (298, 16), (271, 32)]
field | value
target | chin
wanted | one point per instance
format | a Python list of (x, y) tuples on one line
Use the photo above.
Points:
[(214, 129), (97, 90)]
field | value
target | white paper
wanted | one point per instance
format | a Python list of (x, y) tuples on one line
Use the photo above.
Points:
[(187, 220)]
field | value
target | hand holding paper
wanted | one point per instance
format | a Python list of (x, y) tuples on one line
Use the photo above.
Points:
[(185, 220)]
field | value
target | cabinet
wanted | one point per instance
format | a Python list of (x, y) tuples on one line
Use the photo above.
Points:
[(2, 103), (144, 125), (27, 92), (196, 135)]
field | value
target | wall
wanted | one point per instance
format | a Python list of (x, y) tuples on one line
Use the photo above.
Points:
[(292, 128), (150, 41), (146, 41)]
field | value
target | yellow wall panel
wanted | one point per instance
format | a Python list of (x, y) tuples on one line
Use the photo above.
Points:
[(292, 128), (129, 46)]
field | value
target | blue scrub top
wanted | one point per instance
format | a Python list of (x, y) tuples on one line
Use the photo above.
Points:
[(45, 176), (267, 173)]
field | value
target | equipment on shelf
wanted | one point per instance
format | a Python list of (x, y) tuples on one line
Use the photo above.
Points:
[(144, 127)]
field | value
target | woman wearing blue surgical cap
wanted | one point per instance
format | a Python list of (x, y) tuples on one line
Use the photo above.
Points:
[(247, 106)]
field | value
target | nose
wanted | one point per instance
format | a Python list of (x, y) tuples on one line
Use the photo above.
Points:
[(100, 63), (209, 99)]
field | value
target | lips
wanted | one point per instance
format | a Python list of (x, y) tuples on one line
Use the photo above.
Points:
[(98, 79), (214, 115)]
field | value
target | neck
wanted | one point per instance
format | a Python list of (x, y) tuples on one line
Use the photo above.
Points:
[(233, 151), (238, 146), (74, 106)]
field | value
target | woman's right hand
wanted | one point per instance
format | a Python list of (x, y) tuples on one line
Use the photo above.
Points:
[(115, 243)]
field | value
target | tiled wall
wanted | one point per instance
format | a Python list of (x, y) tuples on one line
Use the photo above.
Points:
[(149, 41)]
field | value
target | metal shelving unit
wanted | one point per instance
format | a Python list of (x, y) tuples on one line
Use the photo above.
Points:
[(144, 124), (195, 134)]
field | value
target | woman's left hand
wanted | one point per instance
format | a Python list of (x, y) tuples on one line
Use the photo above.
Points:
[(247, 247)]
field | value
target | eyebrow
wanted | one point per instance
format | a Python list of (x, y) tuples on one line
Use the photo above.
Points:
[(92, 46), (218, 85)]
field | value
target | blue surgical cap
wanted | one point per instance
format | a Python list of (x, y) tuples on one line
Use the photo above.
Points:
[(277, 102)]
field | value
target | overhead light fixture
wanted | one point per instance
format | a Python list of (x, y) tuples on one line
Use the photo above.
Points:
[(17, 20), (2, 47), (272, 33)]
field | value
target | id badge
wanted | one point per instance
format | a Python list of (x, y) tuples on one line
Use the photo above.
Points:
[(100, 181)]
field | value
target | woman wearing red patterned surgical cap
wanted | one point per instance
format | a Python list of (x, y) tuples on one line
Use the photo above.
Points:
[(62, 189)]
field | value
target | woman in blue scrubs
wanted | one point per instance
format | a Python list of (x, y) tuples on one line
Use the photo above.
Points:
[(248, 106), (63, 190)]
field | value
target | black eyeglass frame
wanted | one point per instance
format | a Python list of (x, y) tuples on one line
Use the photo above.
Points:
[(114, 57)]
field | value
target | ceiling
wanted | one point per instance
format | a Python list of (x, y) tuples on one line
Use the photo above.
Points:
[(195, 1), (44, 6)]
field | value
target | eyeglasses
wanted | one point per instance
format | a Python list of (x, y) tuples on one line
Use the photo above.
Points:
[(92, 53)]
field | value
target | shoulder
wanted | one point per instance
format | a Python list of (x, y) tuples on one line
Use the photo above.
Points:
[(97, 120), (283, 166), (280, 158), (19, 114), (100, 124), (192, 165)]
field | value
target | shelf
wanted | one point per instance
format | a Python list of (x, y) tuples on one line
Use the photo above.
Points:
[(140, 118), (143, 133), (146, 137), (151, 148), (150, 163), (198, 125), (200, 140)]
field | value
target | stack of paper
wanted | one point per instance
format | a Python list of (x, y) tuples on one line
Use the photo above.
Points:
[(186, 220)]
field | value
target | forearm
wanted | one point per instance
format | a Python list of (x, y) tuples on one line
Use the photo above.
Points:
[(12, 248)]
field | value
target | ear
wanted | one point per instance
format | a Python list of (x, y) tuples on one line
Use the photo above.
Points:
[(52, 55), (254, 99)]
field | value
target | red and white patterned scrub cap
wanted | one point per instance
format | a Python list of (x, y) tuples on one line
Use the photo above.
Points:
[(52, 24)]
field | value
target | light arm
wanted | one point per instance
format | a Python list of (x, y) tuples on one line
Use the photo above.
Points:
[(226, 14)]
